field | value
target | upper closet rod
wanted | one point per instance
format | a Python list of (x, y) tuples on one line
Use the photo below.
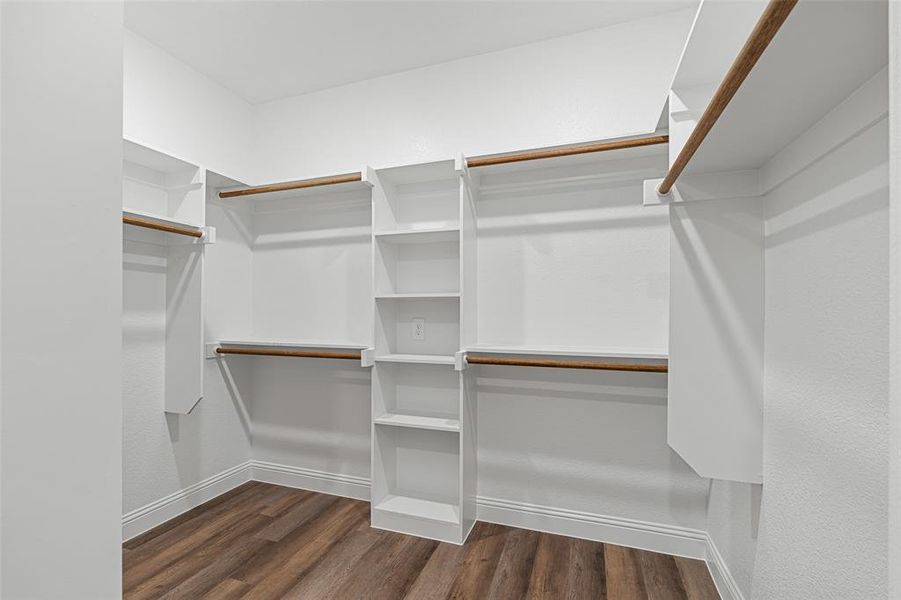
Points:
[(485, 161), (129, 220), (294, 353), (293, 185), (566, 364), (767, 26)]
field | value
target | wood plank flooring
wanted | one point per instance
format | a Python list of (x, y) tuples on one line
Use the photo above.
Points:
[(266, 541)]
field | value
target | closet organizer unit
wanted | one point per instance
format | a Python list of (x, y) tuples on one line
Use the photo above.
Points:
[(163, 212), (302, 249), (423, 405), (572, 265), (730, 147)]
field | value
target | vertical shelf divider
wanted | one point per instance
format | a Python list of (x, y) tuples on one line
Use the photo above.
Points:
[(468, 337)]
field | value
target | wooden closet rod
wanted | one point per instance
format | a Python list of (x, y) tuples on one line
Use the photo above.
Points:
[(485, 161), (294, 353), (293, 185), (566, 364), (767, 26), (139, 222)]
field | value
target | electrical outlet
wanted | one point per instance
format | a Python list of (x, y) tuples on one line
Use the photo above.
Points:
[(419, 329)]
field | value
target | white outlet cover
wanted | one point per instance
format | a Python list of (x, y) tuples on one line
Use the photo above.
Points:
[(418, 329)]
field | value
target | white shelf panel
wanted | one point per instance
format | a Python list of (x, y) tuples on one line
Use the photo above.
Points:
[(571, 351), (420, 236), (426, 295), (420, 508), (417, 359), (292, 344), (810, 78), (418, 422), (127, 212)]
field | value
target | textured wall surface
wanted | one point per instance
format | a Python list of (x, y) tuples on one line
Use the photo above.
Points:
[(824, 512)]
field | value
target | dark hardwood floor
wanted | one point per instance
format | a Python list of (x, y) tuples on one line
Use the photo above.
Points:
[(267, 541)]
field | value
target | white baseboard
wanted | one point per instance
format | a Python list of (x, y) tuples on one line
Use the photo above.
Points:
[(668, 539), (719, 572), (656, 537), (158, 512), (336, 484)]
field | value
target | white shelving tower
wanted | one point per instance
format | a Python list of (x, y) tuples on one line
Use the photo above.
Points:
[(423, 400), (164, 190)]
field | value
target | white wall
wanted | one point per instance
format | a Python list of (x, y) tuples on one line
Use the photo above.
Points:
[(164, 453), (599, 84), (818, 527), (61, 253), (569, 256), (584, 441), (894, 68), (172, 108), (826, 407)]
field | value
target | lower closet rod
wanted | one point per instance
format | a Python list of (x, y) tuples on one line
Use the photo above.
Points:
[(566, 364), (296, 353), (138, 222)]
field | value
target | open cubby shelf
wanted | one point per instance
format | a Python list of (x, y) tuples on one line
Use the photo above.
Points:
[(394, 325), (426, 267), (418, 422), (420, 236), (420, 508), (161, 186), (422, 295), (416, 359)]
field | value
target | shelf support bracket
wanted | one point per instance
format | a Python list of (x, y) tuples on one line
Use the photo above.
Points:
[(367, 357)]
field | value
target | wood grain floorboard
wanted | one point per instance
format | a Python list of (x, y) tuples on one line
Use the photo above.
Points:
[(439, 573), (326, 578), (479, 562), (190, 567), (227, 589), (159, 553), (695, 578), (549, 570), (514, 566), (586, 575), (624, 578), (262, 541), (661, 576), (305, 550)]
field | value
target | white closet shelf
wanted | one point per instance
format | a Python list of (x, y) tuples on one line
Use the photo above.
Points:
[(292, 344), (164, 230), (418, 422), (410, 506), (571, 351), (417, 359), (425, 235), (425, 295), (139, 214), (166, 188), (753, 128)]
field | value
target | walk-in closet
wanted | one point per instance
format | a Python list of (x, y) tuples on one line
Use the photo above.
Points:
[(450, 299)]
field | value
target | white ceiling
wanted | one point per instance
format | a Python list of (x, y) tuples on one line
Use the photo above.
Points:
[(266, 50)]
